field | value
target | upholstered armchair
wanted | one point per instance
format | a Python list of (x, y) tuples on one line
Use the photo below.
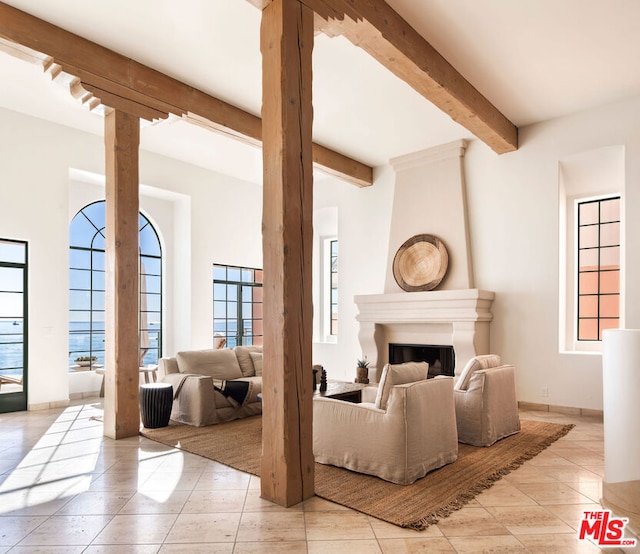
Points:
[(485, 401), (406, 432)]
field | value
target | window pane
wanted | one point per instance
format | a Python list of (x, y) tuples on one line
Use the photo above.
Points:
[(149, 243), (610, 282), (246, 294), (151, 283), (588, 213), (80, 259), (11, 305), (219, 309), (609, 306), (233, 274), (79, 300), (589, 236), (81, 231), (610, 210), (588, 306), (152, 266), (219, 273), (96, 213), (12, 252), (610, 257), (588, 283), (610, 234), (98, 242), (98, 280), (97, 260), (587, 329), (79, 279), (11, 279), (219, 291), (588, 259), (232, 310)]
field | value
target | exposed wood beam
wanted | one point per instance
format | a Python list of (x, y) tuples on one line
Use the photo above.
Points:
[(122, 140), (375, 27), (286, 42), (121, 82)]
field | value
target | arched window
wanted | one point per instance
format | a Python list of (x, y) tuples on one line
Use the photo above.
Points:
[(87, 288)]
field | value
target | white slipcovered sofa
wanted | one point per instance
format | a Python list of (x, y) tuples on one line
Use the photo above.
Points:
[(485, 400), (407, 430), (207, 384)]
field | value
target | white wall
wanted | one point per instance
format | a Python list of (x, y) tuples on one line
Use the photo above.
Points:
[(364, 217), (514, 222)]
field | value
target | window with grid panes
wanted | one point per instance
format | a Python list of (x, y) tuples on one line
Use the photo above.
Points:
[(333, 297), (598, 267), (87, 287), (237, 305), (13, 325)]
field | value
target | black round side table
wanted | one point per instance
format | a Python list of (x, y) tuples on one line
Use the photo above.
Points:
[(156, 400)]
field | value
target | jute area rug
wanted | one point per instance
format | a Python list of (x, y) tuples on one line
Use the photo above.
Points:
[(438, 494)]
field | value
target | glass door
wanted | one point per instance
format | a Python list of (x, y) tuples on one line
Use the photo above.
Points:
[(13, 325)]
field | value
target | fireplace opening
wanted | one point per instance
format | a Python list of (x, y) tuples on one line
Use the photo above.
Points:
[(441, 359)]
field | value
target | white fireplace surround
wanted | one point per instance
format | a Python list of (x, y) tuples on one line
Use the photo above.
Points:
[(458, 318)]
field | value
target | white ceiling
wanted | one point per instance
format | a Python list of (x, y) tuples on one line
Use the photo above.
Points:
[(533, 59)]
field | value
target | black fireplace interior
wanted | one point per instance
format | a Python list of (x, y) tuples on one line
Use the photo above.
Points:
[(441, 359)]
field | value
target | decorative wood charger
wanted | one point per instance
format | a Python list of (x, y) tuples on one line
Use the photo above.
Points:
[(420, 263)]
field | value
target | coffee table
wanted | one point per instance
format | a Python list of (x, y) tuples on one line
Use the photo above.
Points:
[(340, 390)]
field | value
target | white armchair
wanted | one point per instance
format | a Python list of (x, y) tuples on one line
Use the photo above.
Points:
[(485, 401), (408, 431)]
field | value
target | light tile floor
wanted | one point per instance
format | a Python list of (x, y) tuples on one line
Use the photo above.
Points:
[(64, 488)]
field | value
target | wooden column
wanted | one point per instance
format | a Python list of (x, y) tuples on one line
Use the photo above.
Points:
[(121, 410), (287, 451)]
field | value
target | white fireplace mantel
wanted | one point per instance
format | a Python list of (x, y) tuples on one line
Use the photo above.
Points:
[(459, 318)]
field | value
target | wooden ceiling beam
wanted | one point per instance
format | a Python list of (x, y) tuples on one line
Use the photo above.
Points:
[(380, 31), (150, 94)]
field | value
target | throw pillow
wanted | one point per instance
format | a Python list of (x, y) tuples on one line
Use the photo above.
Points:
[(243, 354), (474, 364), (256, 358), (399, 374), (218, 364)]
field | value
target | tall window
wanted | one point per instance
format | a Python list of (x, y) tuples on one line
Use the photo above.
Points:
[(237, 305), (598, 267), (13, 325), (333, 279), (87, 287)]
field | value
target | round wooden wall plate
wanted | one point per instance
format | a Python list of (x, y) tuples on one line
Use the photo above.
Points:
[(420, 263)]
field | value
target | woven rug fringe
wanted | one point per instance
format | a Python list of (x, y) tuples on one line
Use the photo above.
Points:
[(464, 498)]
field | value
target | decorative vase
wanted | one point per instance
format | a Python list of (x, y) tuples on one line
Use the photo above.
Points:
[(362, 375)]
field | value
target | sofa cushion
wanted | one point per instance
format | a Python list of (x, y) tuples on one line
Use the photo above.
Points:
[(399, 374), (474, 364), (219, 364), (256, 358), (243, 353)]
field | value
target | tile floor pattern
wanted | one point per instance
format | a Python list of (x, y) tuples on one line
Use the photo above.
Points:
[(64, 488)]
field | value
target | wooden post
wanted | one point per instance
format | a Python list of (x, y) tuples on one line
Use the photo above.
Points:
[(287, 452), (121, 410)]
